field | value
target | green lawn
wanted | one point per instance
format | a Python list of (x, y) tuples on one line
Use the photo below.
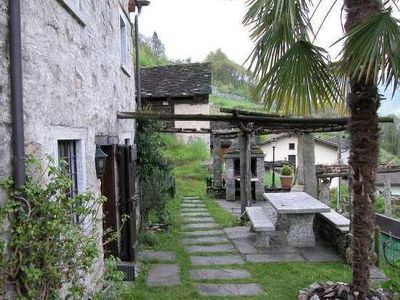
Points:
[(238, 104)]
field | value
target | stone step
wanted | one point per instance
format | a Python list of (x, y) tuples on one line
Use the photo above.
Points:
[(205, 240), (198, 220), (216, 260), (210, 249), (193, 206), (191, 198), (216, 232), (163, 275), (165, 256), (219, 274), (230, 289), (194, 226), (193, 210), (196, 214)]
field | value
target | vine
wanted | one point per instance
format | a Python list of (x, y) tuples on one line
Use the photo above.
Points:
[(43, 249)]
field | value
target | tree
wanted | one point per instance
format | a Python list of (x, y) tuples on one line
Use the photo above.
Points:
[(228, 76), (295, 76), (158, 46), (390, 136)]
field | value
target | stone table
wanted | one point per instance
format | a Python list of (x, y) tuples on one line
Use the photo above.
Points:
[(296, 212)]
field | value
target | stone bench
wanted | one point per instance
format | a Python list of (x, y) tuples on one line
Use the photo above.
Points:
[(337, 220), (334, 228), (261, 225)]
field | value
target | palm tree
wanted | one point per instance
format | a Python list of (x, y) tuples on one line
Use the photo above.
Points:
[(296, 76)]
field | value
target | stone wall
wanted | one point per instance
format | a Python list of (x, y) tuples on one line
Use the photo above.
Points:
[(339, 239), (260, 189), (73, 81), (5, 116), (230, 180)]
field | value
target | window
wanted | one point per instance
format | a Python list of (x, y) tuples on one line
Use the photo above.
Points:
[(67, 152), (292, 159), (291, 146), (74, 7), (123, 41)]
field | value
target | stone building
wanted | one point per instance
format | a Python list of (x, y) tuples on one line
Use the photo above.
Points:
[(77, 74), (232, 172), (179, 89)]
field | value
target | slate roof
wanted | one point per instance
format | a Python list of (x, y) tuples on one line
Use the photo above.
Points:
[(176, 80), (394, 178), (328, 142)]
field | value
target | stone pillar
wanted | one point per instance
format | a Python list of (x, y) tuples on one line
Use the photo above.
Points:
[(217, 162), (388, 195), (230, 179), (306, 174), (260, 175), (245, 171), (324, 195)]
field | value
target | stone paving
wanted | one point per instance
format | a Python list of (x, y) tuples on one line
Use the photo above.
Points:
[(208, 247), (163, 275)]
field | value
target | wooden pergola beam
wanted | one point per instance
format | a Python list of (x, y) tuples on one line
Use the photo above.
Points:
[(270, 121), (248, 113)]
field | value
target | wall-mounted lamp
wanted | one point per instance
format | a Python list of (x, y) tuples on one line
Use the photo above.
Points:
[(100, 161)]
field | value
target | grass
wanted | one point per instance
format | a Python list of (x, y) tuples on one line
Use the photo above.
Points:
[(268, 179), (233, 103), (281, 281)]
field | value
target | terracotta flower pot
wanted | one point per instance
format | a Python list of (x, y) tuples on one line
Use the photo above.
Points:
[(286, 182)]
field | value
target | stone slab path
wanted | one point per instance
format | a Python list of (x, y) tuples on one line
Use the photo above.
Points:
[(198, 220), (165, 256), (163, 275), (205, 240), (208, 246)]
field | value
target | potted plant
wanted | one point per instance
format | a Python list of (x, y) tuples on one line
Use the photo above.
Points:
[(286, 177)]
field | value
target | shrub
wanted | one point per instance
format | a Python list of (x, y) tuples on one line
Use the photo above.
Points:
[(47, 246), (148, 238), (286, 171)]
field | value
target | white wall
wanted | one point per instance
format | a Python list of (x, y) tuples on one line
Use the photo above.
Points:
[(323, 154), (282, 149), (193, 109)]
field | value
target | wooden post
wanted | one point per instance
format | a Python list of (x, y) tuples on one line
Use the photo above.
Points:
[(245, 172), (388, 195), (248, 170), (378, 246)]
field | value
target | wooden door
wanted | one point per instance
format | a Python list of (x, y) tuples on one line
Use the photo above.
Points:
[(110, 208), (126, 201)]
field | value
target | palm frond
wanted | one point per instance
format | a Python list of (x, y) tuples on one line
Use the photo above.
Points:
[(300, 82), (372, 51), (275, 25)]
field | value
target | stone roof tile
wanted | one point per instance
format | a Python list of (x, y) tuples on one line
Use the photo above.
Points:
[(176, 80)]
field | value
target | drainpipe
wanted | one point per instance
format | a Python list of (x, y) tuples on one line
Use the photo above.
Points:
[(17, 108), (137, 57)]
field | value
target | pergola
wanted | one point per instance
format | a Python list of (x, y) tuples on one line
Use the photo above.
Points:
[(244, 124)]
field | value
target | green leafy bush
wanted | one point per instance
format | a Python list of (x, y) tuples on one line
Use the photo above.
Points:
[(51, 238), (286, 171), (155, 171)]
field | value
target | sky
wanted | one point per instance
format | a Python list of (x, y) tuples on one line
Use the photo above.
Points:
[(193, 28)]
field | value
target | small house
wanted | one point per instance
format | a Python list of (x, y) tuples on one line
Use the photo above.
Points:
[(179, 89), (326, 151)]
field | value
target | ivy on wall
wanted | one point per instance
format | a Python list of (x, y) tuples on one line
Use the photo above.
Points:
[(43, 248)]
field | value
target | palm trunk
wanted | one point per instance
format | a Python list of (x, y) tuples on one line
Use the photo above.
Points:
[(363, 127)]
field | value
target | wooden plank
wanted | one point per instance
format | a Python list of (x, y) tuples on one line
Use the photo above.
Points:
[(273, 121), (110, 207)]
